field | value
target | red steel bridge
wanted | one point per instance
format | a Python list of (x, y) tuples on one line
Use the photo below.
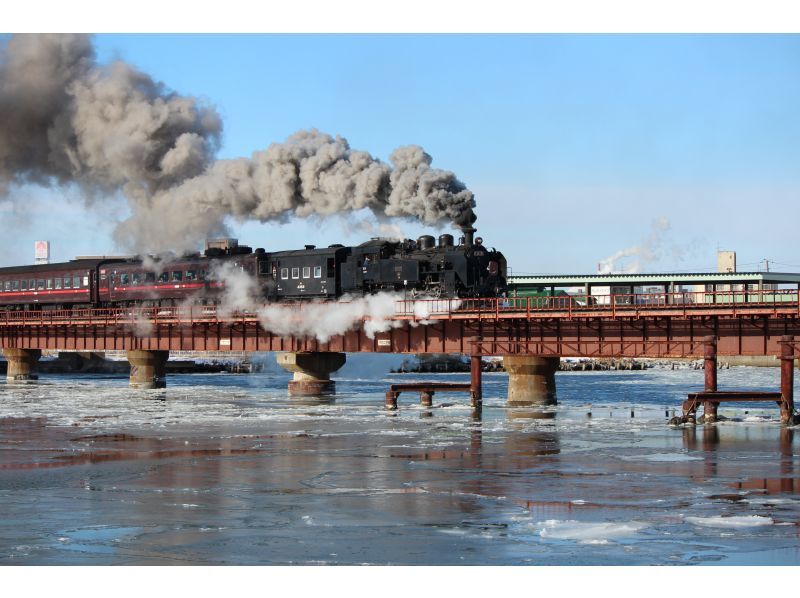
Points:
[(529, 332), (622, 325)]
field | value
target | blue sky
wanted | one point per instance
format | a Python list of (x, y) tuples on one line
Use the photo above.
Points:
[(573, 144)]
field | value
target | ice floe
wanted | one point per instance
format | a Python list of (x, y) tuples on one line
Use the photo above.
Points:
[(589, 532), (731, 521)]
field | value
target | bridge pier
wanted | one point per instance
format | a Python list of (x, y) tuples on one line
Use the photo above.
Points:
[(710, 376), (312, 371), (148, 369), (531, 379), (787, 380), (21, 364)]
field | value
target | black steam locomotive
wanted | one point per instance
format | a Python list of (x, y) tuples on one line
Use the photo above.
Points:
[(418, 268)]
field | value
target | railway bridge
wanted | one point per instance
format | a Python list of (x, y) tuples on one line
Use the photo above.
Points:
[(530, 331)]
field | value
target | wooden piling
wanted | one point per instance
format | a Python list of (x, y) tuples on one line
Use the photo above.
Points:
[(787, 378), (476, 381)]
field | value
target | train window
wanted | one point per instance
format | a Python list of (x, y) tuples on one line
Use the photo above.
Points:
[(49, 284), (7, 286), (124, 279), (136, 279), (149, 277), (177, 276), (14, 285), (295, 273), (163, 277), (76, 282), (203, 275), (40, 284), (307, 272), (317, 271), (331, 268), (284, 273), (31, 285), (67, 282), (23, 285), (191, 275), (58, 283)]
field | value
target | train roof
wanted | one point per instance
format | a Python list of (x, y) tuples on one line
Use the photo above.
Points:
[(81, 264), (308, 252), (378, 241)]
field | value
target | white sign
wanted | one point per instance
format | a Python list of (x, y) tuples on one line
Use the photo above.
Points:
[(384, 342), (41, 252), (224, 342)]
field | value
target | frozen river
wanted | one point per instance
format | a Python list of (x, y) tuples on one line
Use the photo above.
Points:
[(226, 469)]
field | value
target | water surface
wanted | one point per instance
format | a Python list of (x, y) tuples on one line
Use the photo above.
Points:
[(227, 469)]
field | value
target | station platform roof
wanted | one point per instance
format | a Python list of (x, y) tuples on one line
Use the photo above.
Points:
[(645, 279)]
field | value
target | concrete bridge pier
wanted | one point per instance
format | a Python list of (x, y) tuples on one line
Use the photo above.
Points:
[(22, 364), (531, 380), (312, 371), (148, 369)]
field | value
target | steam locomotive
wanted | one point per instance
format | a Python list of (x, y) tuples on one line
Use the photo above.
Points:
[(418, 268)]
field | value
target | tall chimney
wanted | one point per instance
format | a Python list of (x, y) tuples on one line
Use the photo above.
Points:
[(469, 233), (465, 222)]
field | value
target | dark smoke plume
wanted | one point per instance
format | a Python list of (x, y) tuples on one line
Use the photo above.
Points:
[(67, 119)]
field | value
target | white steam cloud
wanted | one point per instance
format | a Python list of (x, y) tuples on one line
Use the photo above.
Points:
[(320, 320), (645, 253), (317, 319)]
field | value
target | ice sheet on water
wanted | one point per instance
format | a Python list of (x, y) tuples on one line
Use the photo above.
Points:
[(733, 521), (770, 500), (662, 457), (589, 532)]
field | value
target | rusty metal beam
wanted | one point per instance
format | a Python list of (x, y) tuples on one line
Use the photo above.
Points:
[(552, 334)]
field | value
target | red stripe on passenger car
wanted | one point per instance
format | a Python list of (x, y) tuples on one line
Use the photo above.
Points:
[(162, 287), (44, 292)]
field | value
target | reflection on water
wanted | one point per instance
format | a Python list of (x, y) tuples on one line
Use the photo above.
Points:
[(229, 469), (770, 485)]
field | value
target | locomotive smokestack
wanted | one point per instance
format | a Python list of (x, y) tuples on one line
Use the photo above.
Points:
[(465, 220), (469, 234)]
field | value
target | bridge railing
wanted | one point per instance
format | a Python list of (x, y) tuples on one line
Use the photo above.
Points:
[(423, 309), (619, 302)]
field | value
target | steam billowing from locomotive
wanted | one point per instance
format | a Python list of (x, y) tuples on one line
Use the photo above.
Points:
[(69, 120)]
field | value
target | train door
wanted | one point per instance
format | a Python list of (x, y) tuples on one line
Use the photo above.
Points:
[(99, 285), (94, 283)]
